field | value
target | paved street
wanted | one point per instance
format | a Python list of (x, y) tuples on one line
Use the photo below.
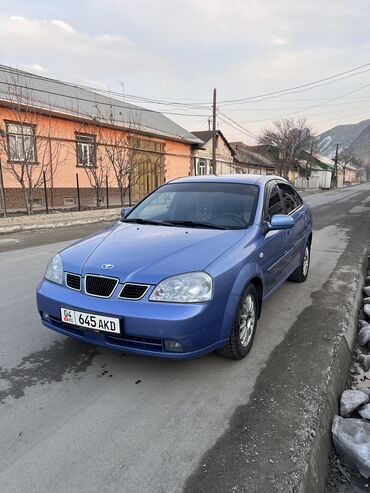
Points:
[(74, 418)]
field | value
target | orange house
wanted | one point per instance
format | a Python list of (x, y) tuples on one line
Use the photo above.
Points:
[(67, 145)]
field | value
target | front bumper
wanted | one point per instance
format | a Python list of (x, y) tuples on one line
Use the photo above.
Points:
[(145, 325)]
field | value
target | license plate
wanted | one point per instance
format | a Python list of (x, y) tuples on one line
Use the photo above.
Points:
[(90, 321)]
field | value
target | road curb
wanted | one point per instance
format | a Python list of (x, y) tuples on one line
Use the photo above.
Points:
[(314, 479)]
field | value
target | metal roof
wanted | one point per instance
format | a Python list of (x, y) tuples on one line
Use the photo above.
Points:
[(74, 101), (260, 155)]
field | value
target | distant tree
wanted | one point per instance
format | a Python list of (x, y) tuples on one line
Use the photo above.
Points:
[(290, 137), (308, 156), (348, 157)]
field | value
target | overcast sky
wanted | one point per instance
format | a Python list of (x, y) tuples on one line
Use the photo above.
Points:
[(181, 49)]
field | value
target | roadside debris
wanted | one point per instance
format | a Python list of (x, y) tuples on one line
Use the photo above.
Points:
[(352, 443), (364, 411), (364, 335), (351, 400), (366, 290), (364, 359)]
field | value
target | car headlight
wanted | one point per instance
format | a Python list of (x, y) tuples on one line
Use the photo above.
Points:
[(54, 270), (184, 288)]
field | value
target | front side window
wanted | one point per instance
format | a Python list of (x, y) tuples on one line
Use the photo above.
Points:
[(85, 146), (218, 205), (21, 143), (275, 205), (289, 197)]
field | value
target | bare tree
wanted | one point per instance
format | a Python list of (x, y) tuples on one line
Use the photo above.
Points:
[(29, 153), (130, 157), (348, 157), (290, 137)]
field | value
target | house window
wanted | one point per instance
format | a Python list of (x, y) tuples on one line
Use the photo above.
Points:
[(202, 167), (86, 150), (69, 200), (37, 201), (21, 143)]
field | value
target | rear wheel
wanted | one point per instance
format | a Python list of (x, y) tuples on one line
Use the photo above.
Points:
[(301, 274), (244, 326)]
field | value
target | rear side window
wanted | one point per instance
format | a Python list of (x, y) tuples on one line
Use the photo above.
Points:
[(290, 198), (275, 205)]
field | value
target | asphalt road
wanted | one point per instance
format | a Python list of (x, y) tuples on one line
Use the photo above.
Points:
[(74, 418)]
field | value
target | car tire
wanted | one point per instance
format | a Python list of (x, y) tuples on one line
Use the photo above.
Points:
[(244, 326), (301, 274)]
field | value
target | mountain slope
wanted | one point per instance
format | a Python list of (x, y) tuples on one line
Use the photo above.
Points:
[(355, 135), (362, 144)]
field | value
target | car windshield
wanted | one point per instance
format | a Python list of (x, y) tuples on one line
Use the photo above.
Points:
[(203, 205)]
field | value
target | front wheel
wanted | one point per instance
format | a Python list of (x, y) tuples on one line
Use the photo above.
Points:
[(301, 274), (244, 326)]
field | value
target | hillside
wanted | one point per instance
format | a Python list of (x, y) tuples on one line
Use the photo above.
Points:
[(356, 136)]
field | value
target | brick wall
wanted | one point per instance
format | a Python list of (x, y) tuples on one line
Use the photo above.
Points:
[(60, 198)]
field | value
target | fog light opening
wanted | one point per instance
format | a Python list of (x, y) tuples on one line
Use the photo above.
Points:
[(173, 346), (46, 316)]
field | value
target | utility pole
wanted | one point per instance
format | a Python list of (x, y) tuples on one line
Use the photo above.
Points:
[(2, 190), (336, 166), (214, 136)]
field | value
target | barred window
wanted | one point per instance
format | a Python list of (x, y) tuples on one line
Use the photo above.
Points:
[(21, 142), (86, 150)]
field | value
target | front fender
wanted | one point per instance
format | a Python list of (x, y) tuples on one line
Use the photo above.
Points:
[(248, 272)]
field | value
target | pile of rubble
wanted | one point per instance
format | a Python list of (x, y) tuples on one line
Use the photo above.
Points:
[(351, 430)]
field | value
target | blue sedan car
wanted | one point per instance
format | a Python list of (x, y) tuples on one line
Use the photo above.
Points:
[(184, 272)]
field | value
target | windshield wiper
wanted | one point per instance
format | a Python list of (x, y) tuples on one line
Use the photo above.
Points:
[(195, 224), (147, 221)]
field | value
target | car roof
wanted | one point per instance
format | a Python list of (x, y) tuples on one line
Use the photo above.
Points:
[(251, 179)]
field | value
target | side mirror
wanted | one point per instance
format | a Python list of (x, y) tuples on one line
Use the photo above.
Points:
[(125, 211), (281, 221)]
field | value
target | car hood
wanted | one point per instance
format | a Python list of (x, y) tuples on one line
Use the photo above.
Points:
[(148, 253)]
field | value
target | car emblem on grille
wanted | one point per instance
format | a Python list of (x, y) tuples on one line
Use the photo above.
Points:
[(107, 266)]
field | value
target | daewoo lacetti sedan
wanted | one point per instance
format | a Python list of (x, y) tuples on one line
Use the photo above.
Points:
[(185, 271)]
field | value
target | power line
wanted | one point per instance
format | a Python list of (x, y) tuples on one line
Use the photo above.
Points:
[(98, 103), (310, 107), (295, 87), (351, 102), (251, 134), (108, 92), (205, 104), (276, 98), (110, 104), (235, 127)]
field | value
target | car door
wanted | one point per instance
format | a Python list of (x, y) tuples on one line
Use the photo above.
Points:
[(295, 236), (273, 248)]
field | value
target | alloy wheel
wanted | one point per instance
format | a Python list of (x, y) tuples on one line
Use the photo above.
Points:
[(247, 320)]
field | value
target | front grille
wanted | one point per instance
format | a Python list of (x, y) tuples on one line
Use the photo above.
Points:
[(73, 281), (132, 291), (100, 285), (136, 342)]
